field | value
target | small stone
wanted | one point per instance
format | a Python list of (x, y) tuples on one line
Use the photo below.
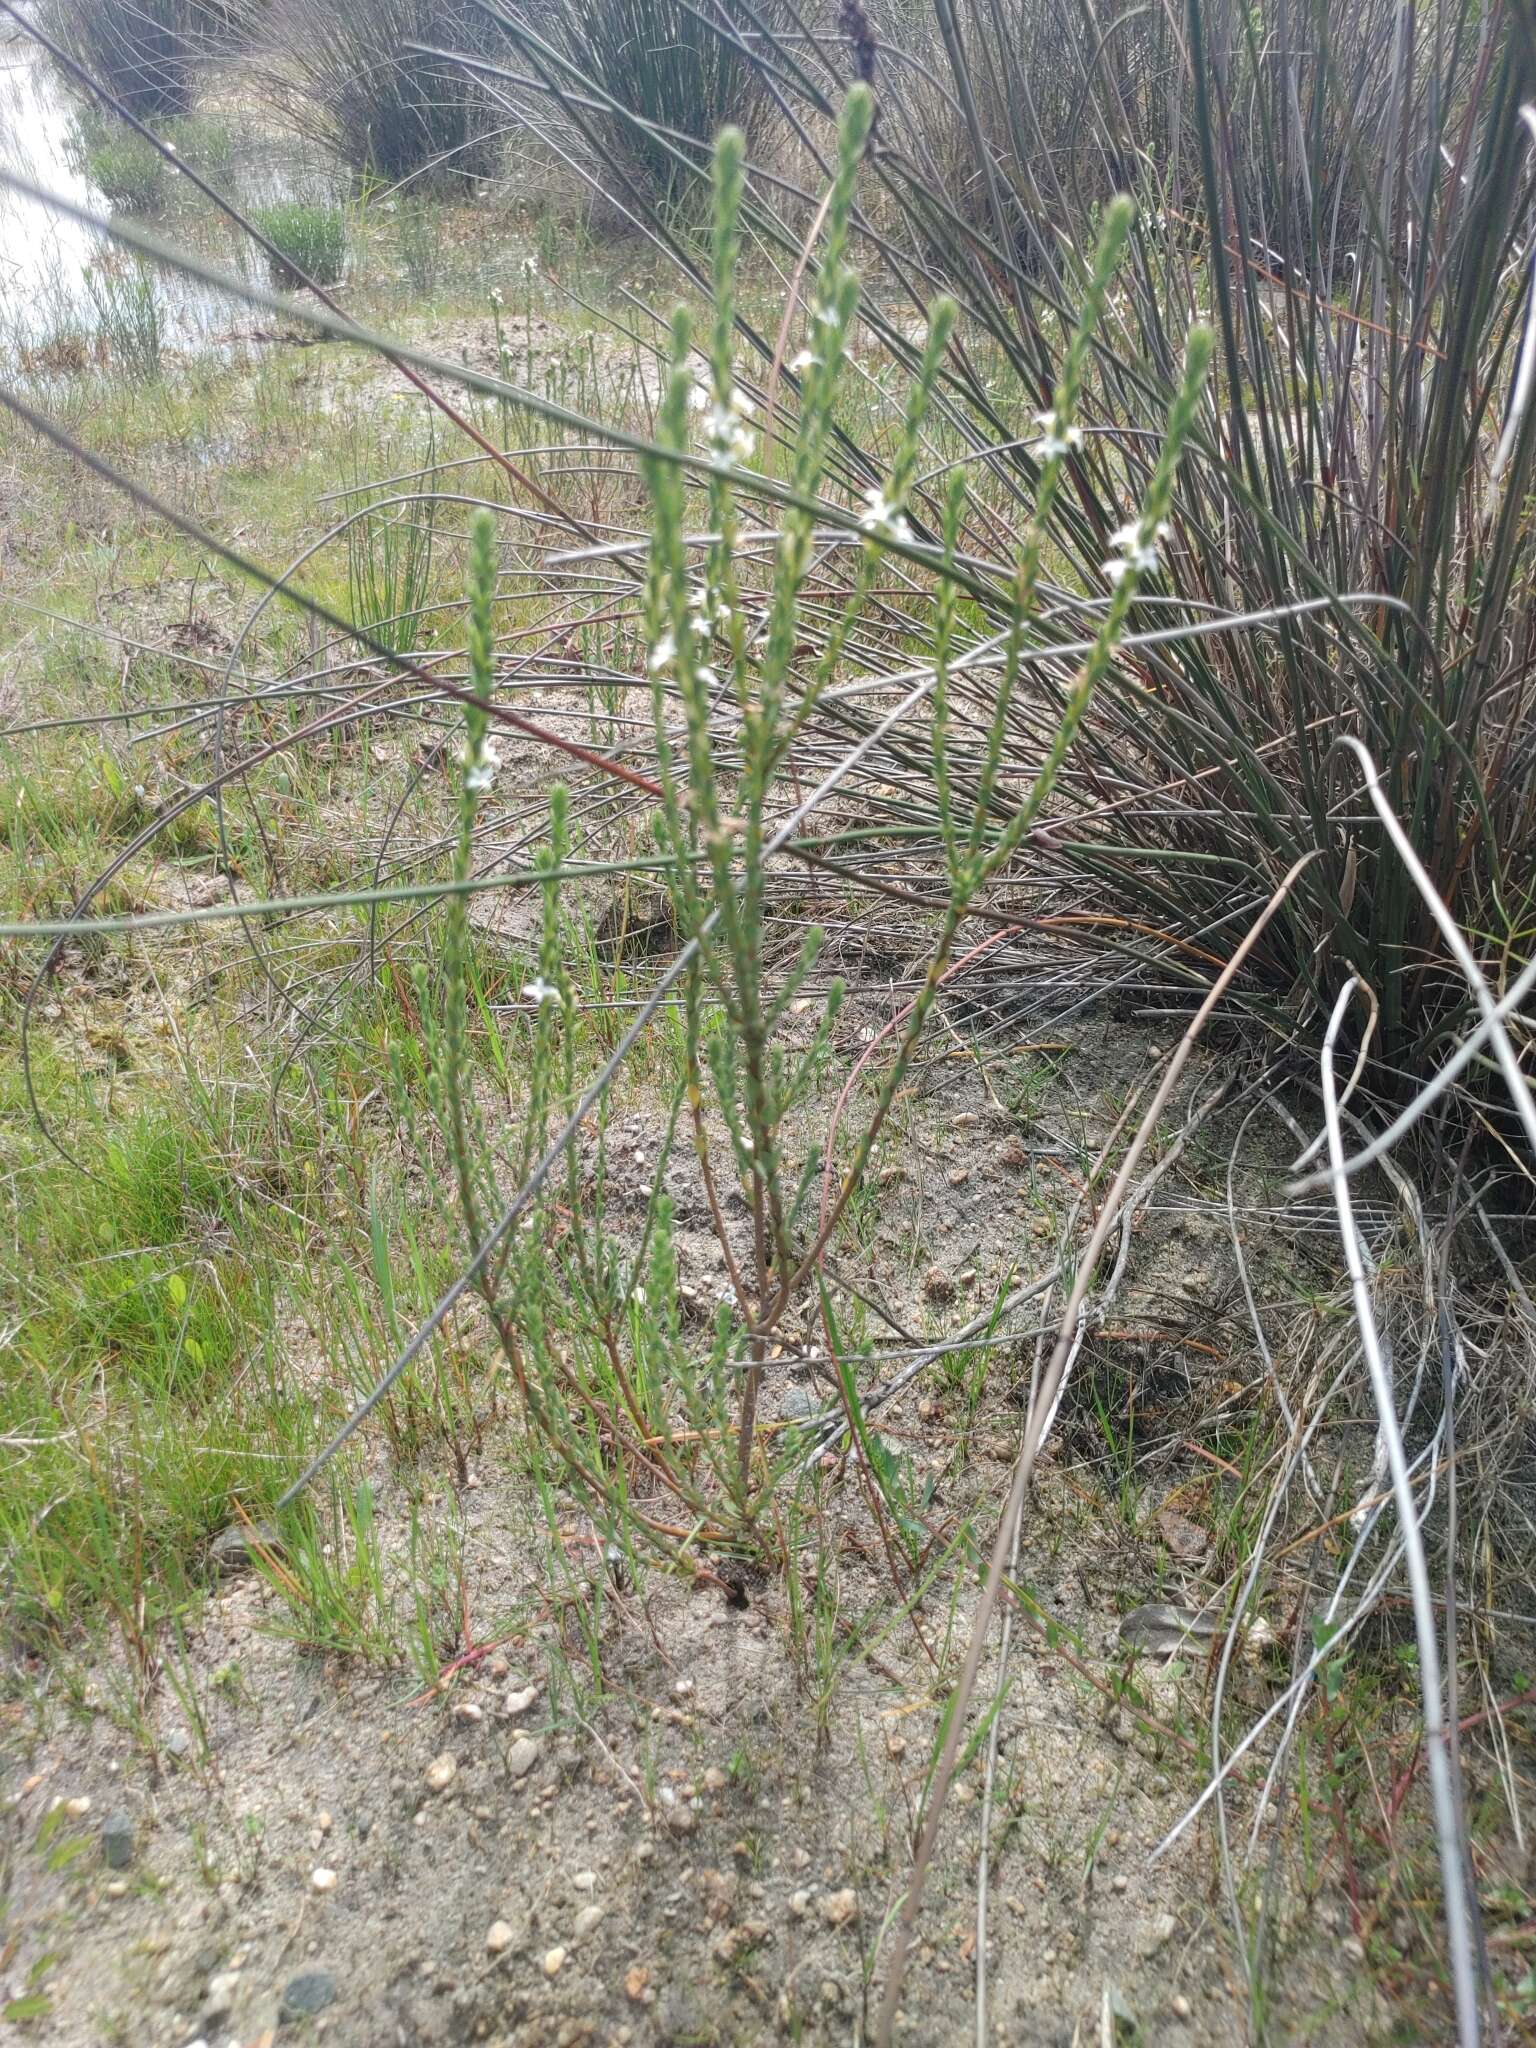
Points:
[(838, 1908), (323, 1821), (554, 1961), (714, 1779), (584, 1880), (220, 1995), (79, 1807), (1120, 1882), (682, 1820), (1181, 2007), (308, 1993), (497, 1668), (637, 1980), (117, 1888), (895, 1745), (468, 1710), (322, 1880), (683, 1689), (441, 1772), (1156, 1933), (178, 1742), (498, 1936), (117, 1841), (520, 1701), (799, 1904), (937, 1285), (587, 1920), (522, 1756)]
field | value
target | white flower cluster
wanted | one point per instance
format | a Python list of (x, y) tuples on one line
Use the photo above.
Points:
[(539, 992), (883, 519), (708, 613), (1056, 438), (728, 436), (708, 610), (480, 765), (1137, 544)]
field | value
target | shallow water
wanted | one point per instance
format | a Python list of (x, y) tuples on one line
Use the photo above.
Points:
[(43, 254), (56, 274)]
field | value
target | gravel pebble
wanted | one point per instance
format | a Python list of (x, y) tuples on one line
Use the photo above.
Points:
[(498, 1936), (554, 1961), (522, 1756), (441, 1772), (117, 1841), (308, 1993)]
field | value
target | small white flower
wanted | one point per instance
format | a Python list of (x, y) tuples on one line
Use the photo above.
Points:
[(1138, 549), (480, 771), (539, 992), (1056, 440), (882, 517), (730, 439), (664, 651), (805, 361), (1129, 535)]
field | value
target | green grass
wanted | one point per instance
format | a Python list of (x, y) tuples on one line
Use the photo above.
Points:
[(310, 240), (130, 173)]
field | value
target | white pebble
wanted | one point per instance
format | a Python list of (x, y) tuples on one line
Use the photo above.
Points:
[(553, 1962), (498, 1936), (322, 1880), (441, 1772)]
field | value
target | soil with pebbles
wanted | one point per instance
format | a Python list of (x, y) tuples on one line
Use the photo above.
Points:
[(697, 1856)]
